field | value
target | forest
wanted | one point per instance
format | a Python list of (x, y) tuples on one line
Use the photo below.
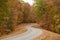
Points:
[(44, 12)]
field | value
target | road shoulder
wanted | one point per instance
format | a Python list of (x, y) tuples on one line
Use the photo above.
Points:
[(19, 29), (47, 35)]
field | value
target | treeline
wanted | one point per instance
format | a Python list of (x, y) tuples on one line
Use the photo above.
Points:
[(12, 13), (45, 12), (48, 14)]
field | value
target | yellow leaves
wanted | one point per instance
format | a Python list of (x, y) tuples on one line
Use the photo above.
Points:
[(52, 27), (55, 16), (51, 15), (57, 28)]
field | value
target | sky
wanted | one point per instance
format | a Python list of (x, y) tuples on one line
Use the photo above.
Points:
[(29, 1)]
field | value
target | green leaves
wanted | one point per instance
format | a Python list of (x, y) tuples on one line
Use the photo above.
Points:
[(40, 8)]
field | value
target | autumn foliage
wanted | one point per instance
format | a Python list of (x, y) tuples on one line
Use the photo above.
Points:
[(9, 11), (48, 14), (12, 13), (45, 12)]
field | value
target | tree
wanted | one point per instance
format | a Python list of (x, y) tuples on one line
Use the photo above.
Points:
[(39, 5), (20, 13), (26, 12), (8, 16), (52, 10), (3, 16), (50, 14)]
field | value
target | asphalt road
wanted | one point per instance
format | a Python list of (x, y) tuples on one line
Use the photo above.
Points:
[(30, 34)]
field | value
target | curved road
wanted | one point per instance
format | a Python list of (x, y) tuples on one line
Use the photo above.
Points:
[(30, 34)]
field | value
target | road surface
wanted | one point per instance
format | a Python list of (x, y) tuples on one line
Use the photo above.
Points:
[(30, 34)]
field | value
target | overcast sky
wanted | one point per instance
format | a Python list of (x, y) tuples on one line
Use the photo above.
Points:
[(29, 1)]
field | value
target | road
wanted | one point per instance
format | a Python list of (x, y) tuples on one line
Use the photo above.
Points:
[(30, 34)]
